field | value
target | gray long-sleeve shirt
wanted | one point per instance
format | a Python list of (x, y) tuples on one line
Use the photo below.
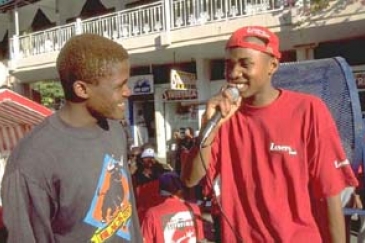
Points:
[(65, 184)]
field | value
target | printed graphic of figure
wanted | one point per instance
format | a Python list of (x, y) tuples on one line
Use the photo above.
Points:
[(114, 195)]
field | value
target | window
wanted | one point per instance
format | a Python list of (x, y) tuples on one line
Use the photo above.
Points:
[(359, 75)]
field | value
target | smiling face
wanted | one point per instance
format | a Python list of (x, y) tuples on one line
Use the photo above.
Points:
[(107, 97), (251, 71)]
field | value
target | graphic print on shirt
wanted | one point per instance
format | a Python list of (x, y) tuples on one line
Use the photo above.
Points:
[(111, 208), (179, 228), (282, 149)]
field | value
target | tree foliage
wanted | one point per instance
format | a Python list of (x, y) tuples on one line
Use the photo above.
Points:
[(317, 5), (51, 93)]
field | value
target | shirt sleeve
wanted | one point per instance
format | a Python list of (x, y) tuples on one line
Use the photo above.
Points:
[(214, 166), (330, 170), (26, 209)]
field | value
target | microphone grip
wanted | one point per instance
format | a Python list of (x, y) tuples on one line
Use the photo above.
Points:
[(211, 124)]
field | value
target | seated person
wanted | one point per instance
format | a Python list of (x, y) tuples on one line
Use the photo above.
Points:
[(173, 220)]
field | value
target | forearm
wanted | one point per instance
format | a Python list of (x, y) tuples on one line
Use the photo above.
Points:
[(198, 163), (193, 170), (336, 222)]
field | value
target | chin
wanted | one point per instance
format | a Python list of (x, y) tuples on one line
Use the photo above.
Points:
[(117, 117)]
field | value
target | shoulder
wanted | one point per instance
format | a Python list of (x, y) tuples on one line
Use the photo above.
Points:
[(300, 96), (38, 137), (294, 98), (116, 127), (36, 148)]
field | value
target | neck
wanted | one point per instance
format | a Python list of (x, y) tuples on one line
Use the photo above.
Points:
[(76, 115), (263, 98)]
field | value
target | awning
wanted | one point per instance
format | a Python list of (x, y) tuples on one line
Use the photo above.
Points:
[(18, 115)]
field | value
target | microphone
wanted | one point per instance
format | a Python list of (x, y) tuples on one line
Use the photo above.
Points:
[(212, 123)]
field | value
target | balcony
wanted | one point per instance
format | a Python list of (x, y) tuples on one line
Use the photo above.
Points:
[(156, 18), (169, 31)]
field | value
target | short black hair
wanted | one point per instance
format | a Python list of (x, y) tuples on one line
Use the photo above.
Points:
[(87, 57)]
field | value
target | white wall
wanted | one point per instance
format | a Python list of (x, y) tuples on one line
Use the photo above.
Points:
[(5, 23)]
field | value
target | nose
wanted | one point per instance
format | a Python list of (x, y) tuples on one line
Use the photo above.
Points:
[(127, 91), (234, 73)]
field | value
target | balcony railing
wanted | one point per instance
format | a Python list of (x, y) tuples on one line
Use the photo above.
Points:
[(161, 16)]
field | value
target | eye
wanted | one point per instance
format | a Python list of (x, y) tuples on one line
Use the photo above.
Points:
[(245, 63)]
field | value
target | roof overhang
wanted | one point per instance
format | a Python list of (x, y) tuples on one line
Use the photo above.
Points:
[(16, 109), (10, 5)]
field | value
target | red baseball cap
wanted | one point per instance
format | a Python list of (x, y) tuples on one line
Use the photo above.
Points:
[(237, 39)]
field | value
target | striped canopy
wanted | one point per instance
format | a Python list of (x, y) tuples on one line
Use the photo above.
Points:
[(18, 115)]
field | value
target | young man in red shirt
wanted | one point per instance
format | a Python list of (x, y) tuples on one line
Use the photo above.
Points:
[(276, 151)]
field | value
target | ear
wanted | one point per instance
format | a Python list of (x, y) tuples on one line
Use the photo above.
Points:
[(81, 89), (274, 65)]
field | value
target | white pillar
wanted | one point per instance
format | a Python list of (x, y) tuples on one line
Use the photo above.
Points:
[(166, 35), (16, 20), (167, 16), (78, 27), (160, 122), (305, 52), (203, 83), (14, 52)]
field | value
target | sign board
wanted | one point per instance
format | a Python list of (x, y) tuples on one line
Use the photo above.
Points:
[(360, 79), (141, 84), (170, 94), (180, 80)]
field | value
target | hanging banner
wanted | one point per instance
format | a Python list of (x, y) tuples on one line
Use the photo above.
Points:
[(180, 80), (141, 84)]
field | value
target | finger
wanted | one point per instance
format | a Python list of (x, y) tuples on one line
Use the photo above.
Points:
[(212, 106)]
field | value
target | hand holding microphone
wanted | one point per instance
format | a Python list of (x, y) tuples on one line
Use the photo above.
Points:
[(219, 109)]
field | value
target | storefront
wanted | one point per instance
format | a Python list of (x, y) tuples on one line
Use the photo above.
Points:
[(359, 73), (179, 109), (142, 110)]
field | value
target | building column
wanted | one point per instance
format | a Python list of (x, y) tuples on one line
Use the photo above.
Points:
[(203, 83), (160, 122), (305, 52)]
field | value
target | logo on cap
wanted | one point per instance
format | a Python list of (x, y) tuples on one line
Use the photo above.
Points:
[(257, 32)]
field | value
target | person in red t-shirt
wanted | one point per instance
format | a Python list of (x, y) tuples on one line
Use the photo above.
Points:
[(174, 220), (277, 151)]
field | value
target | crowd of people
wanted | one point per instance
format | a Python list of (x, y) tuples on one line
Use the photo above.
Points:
[(160, 194), (273, 166)]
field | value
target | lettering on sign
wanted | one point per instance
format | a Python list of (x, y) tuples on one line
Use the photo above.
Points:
[(170, 94), (180, 80), (141, 84)]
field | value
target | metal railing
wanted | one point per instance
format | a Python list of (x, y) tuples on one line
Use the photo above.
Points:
[(138, 21)]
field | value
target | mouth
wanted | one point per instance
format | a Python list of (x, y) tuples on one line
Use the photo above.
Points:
[(240, 86)]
